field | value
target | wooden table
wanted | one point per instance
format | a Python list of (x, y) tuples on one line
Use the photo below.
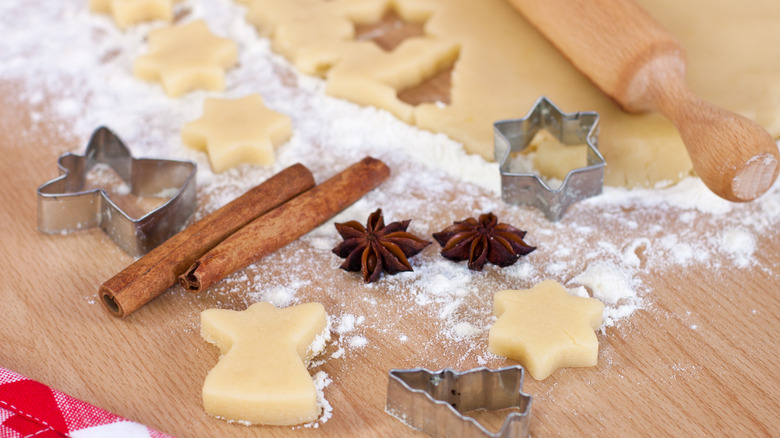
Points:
[(700, 359)]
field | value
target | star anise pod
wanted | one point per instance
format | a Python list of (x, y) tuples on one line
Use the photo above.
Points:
[(481, 241), (377, 247)]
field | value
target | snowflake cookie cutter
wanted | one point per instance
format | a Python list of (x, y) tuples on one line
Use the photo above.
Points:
[(521, 188), (64, 205), (435, 402)]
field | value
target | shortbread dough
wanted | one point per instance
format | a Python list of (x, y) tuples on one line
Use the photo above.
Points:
[(502, 65), (262, 376), (237, 131), (553, 159), (129, 12), (186, 57), (544, 328)]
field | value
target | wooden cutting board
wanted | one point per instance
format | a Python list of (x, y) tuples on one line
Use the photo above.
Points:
[(700, 359)]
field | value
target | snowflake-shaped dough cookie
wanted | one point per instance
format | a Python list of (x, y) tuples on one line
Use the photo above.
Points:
[(187, 57), (544, 328)]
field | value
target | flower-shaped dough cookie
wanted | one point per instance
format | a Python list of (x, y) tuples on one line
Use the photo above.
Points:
[(129, 12), (237, 131), (187, 57), (545, 328)]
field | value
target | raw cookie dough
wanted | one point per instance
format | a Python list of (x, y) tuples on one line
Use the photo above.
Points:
[(129, 12), (544, 328), (237, 131), (502, 65), (187, 57), (553, 159), (261, 377)]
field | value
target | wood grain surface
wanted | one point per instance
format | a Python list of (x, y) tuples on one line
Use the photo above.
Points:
[(700, 359)]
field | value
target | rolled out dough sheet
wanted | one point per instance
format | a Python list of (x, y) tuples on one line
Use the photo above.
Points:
[(502, 65)]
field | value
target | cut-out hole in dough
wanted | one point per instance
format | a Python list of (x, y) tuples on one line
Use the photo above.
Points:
[(389, 32), (181, 14), (435, 89)]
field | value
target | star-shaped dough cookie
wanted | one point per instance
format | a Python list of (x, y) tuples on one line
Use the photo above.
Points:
[(237, 131), (544, 328), (187, 57), (129, 12), (261, 377)]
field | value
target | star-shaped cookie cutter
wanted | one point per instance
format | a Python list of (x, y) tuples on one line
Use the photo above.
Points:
[(519, 188), (65, 206), (434, 402)]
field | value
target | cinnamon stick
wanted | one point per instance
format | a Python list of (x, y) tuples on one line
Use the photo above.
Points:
[(155, 272), (285, 224)]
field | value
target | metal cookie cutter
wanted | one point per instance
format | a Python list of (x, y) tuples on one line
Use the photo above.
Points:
[(64, 205), (512, 136), (434, 402)]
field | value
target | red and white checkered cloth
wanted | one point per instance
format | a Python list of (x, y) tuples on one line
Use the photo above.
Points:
[(32, 409)]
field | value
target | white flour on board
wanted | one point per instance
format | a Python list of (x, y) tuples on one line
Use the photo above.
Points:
[(85, 77), (82, 79)]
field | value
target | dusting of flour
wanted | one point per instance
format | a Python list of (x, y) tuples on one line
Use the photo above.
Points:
[(82, 79)]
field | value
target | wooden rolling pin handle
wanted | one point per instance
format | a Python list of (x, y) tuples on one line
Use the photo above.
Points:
[(734, 156), (635, 61)]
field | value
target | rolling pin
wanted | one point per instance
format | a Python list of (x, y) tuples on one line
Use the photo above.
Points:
[(635, 61)]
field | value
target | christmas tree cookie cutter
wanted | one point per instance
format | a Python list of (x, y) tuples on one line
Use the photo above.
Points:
[(520, 188), (64, 205), (435, 402)]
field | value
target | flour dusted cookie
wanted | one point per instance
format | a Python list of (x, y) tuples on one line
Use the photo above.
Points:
[(261, 377), (187, 57), (544, 328), (237, 131)]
